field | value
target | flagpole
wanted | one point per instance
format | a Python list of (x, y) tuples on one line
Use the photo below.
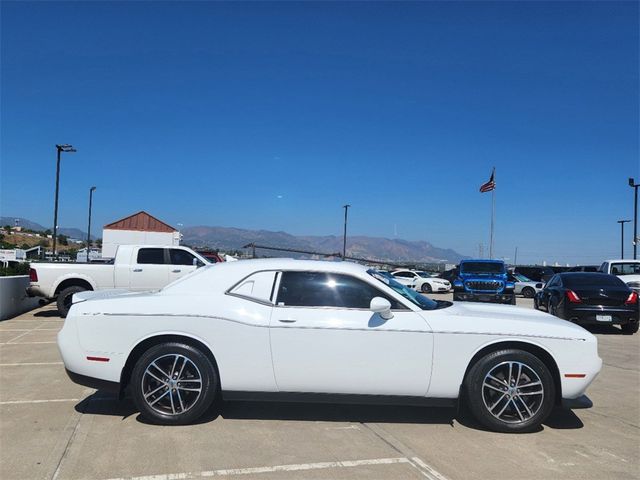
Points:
[(493, 216)]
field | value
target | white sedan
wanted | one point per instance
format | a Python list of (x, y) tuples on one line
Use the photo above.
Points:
[(302, 329), (421, 281)]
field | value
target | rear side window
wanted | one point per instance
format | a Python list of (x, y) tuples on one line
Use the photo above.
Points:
[(320, 289), (592, 280), (181, 257), (258, 286), (151, 255)]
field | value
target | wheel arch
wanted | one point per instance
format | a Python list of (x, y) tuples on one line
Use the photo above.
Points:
[(149, 342), (73, 282), (532, 348)]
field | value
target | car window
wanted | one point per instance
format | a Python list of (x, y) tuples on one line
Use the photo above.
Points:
[(320, 289), (403, 274), (553, 281), (626, 268), (181, 257), (151, 256), (577, 280), (258, 286)]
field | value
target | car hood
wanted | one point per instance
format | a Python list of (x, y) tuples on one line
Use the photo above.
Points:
[(509, 320)]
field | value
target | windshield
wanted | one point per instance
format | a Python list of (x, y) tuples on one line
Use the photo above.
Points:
[(482, 267), (521, 278), (414, 297)]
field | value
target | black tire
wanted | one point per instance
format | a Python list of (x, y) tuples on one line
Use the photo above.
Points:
[(536, 306), (64, 299), (512, 300), (144, 382), (426, 288), (528, 292), (457, 297), (508, 413), (551, 309), (630, 328)]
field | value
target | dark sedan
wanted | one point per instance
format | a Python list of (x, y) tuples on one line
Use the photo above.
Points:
[(590, 298)]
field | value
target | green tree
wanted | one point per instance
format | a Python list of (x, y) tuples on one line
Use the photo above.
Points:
[(63, 240)]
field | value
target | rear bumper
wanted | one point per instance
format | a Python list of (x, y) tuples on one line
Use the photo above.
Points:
[(91, 382), (588, 315), (35, 291)]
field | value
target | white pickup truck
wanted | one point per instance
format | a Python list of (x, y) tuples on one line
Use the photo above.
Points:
[(135, 268), (627, 270)]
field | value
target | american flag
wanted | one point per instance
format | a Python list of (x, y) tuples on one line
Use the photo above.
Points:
[(490, 185)]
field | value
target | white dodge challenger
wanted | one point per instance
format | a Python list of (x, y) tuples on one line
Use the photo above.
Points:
[(332, 331)]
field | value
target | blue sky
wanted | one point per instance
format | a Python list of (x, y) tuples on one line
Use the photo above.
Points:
[(273, 115)]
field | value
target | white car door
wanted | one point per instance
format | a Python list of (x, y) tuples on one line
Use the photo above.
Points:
[(149, 270), (325, 339), (182, 263), (405, 278)]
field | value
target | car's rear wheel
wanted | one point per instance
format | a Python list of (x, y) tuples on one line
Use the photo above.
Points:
[(528, 292), (63, 302), (510, 391), (426, 288), (173, 384), (630, 328)]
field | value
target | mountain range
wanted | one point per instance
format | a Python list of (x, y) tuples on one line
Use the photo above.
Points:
[(228, 238), (28, 224), (374, 248)]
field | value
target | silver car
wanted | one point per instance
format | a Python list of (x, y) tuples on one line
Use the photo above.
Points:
[(525, 286)]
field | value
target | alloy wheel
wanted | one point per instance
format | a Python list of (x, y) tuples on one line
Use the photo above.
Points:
[(512, 392), (171, 384)]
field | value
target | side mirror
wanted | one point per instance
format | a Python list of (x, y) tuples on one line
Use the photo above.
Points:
[(381, 306)]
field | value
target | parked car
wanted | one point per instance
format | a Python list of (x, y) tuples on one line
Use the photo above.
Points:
[(211, 256), (627, 270), (303, 329), (421, 281), (483, 281), (584, 268), (590, 298), (135, 267), (450, 275), (524, 286), (535, 273)]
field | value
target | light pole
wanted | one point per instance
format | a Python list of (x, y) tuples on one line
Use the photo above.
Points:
[(622, 222), (91, 190), (344, 242), (67, 149), (635, 186)]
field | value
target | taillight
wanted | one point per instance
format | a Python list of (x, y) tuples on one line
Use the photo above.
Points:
[(632, 299), (33, 275), (573, 297)]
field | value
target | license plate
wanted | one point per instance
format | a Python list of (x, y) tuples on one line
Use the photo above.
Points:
[(603, 318)]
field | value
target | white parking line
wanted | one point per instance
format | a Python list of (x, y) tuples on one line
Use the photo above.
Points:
[(427, 470), (278, 468), (55, 400), (28, 364)]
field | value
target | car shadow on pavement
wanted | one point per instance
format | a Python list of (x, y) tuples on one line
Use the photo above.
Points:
[(603, 329), (101, 403), (47, 313)]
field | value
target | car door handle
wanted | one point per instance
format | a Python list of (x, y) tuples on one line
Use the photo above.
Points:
[(287, 320), (176, 271), (137, 269)]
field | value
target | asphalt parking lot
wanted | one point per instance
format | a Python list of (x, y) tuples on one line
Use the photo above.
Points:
[(51, 428)]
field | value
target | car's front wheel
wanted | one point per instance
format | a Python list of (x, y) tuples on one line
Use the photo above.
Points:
[(528, 292), (173, 384), (426, 288), (510, 391)]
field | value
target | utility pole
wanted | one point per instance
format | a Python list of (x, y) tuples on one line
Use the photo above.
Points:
[(515, 258), (634, 185), (91, 190), (344, 241), (622, 222), (60, 148)]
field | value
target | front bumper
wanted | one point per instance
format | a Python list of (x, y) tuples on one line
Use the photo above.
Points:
[(484, 297)]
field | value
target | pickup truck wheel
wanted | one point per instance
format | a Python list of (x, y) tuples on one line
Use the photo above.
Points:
[(173, 384), (64, 299), (426, 288), (510, 391)]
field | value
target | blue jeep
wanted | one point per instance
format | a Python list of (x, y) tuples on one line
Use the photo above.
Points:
[(483, 281)]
